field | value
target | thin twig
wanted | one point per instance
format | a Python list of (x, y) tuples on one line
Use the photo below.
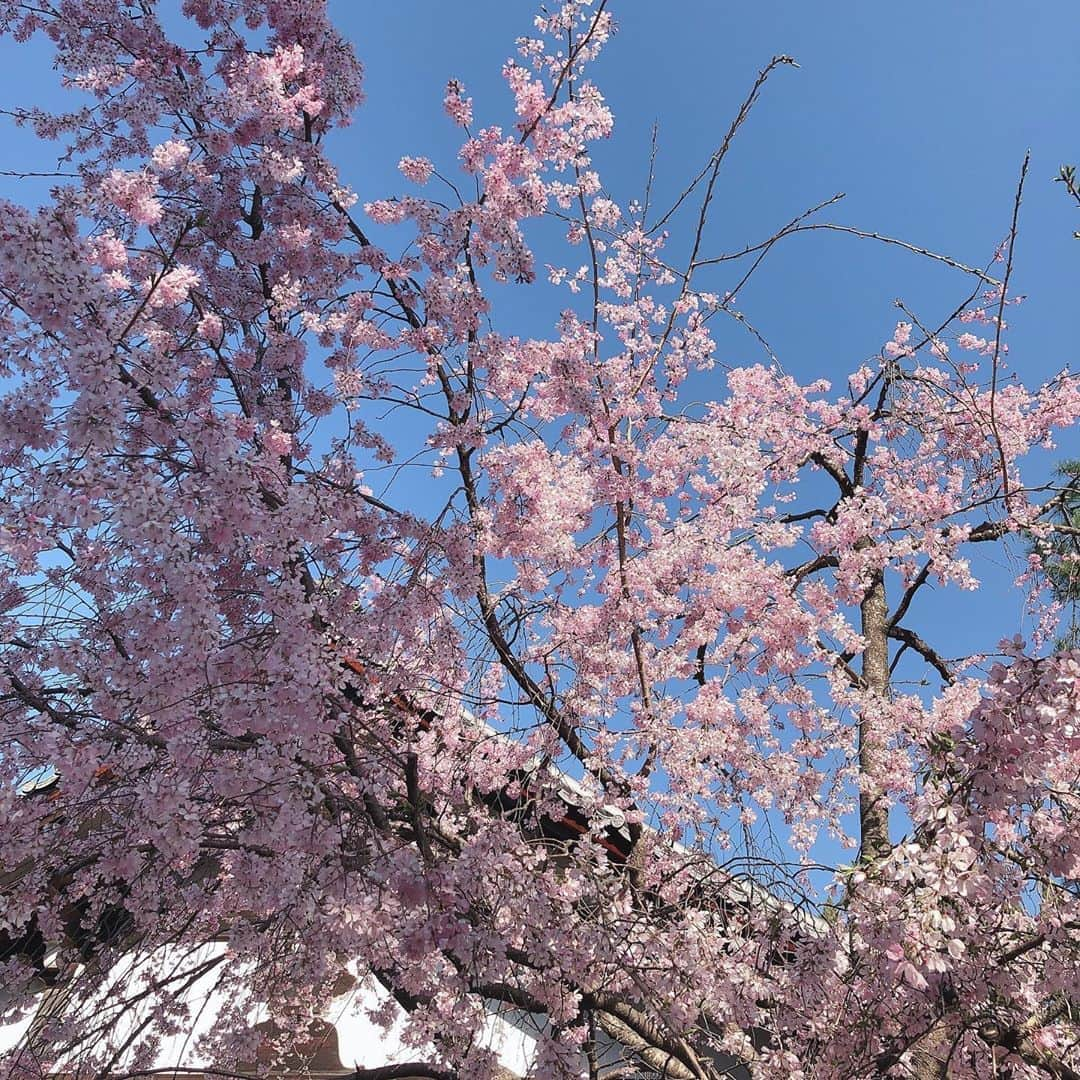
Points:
[(997, 334), (862, 234), (721, 152)]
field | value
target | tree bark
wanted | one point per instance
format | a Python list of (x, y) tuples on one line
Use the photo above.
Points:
[(873, 811)]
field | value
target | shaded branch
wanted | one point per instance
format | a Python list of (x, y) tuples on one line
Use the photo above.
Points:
[(913, 641), (909, 595)]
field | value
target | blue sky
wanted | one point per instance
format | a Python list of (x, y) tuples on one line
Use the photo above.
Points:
[(921, 114)]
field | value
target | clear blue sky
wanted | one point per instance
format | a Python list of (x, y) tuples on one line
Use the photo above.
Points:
[(921, 114)]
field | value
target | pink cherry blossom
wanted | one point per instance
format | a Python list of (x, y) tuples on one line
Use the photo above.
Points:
[(352, 625), (417, 169), (133, 192)]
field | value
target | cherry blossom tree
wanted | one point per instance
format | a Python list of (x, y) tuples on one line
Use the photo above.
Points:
[(261, 687)]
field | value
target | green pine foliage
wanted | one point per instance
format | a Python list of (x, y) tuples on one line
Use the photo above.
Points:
[(1060, 553)]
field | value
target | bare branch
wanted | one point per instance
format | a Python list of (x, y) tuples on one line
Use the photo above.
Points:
[(913, 641), (713, 164), (1000, 324), (824, 226)]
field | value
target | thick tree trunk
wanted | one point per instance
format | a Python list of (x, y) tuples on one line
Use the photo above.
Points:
[(873, 811)]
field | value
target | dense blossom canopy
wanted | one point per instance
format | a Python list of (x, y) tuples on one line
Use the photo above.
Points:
[(299, 702)]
